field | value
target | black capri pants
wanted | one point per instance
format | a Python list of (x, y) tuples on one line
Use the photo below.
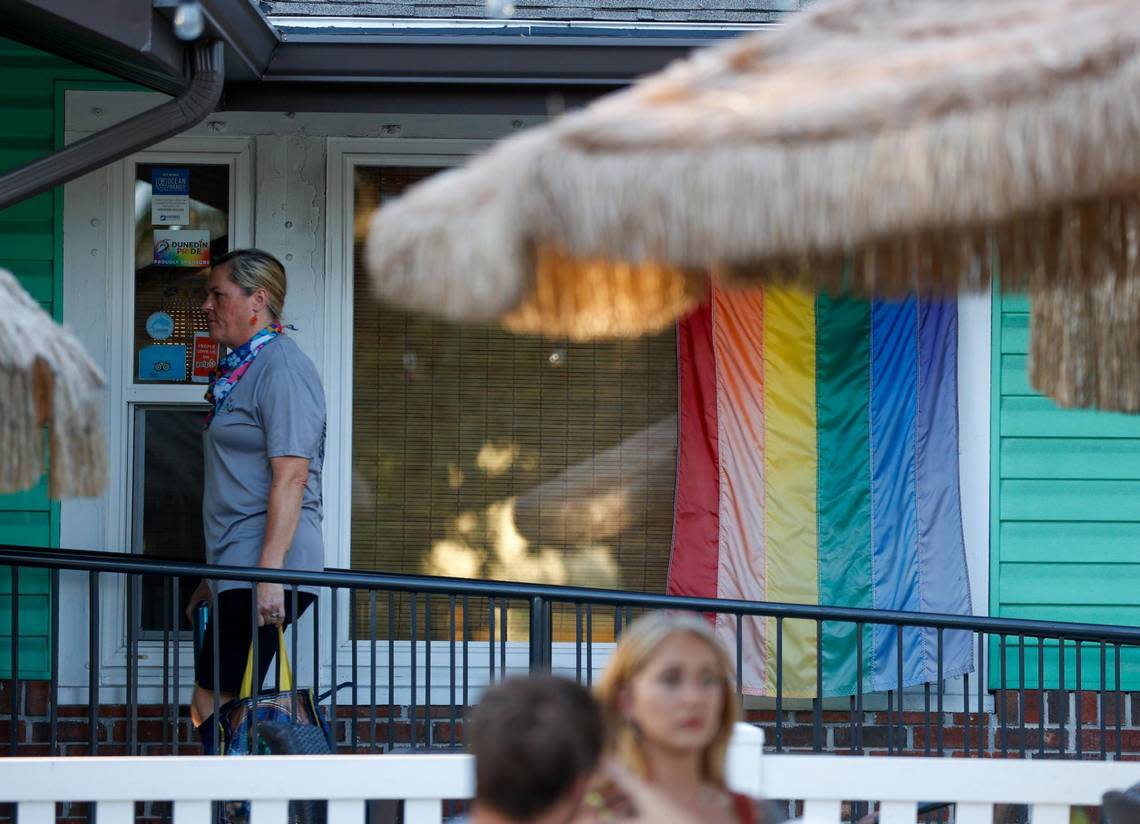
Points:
[(235, 634)]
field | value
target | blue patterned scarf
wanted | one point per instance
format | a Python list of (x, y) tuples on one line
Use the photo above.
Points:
[(233, 366)]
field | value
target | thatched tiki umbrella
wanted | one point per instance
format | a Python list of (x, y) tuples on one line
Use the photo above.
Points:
[(46, 377), (870, 146)]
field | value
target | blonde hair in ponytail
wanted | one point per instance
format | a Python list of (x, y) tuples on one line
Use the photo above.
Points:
[(253, 269)]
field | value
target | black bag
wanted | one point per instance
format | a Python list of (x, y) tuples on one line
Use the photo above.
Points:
[(292, 739), (232, 732), (289, 721)]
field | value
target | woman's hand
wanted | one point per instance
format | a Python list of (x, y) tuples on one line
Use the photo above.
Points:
[(201, 594), (270, 604)]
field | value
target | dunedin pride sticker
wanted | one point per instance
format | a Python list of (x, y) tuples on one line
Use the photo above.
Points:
[(186, 247)]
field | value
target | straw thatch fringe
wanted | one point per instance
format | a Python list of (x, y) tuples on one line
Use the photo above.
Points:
[(870, 147), (451, 246), (46, 377), (592, 300), (690, 170), (1085, 314), (709, 163)]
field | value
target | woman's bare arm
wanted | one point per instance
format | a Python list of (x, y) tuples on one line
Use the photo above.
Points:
[(286, 492)]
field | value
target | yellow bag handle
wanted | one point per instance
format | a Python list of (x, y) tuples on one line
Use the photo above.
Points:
[(284, 670)]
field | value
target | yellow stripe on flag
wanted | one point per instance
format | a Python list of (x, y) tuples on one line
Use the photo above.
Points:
[(790, 485)]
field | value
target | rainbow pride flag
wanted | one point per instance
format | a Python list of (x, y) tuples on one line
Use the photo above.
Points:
[(818, 464)]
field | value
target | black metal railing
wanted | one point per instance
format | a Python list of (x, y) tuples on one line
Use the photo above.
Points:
[(428, 644)]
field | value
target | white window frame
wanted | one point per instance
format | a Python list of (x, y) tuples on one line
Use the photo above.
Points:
[(344, 156), (125, 393)]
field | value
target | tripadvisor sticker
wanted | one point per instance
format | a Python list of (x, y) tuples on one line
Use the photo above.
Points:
[(181, 247), (162, 362)]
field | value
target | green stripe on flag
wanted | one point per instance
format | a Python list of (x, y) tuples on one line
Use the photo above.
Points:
[(843, 395)]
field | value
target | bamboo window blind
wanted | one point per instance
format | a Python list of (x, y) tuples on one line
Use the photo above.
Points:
[(481, 454)]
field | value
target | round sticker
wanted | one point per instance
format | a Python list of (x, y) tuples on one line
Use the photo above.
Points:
[(160, 326)]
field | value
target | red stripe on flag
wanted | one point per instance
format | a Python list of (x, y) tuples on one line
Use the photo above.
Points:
[(696, 514)]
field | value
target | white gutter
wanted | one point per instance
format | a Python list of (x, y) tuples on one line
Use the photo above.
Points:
[(370, 25)]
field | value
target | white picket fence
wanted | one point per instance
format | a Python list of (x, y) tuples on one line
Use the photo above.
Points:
[(425, 781)]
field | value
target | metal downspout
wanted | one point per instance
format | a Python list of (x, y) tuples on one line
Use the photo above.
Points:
[(188, 109)]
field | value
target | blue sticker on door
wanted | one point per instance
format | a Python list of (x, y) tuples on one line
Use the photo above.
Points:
[(162, 362)]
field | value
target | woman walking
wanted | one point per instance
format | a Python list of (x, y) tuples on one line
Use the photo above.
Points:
[(263, 447)]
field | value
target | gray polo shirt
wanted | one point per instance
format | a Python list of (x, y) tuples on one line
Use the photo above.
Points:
[(276, 409)]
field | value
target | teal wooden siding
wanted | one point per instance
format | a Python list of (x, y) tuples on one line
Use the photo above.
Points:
[(30, 247), (1064, 514)]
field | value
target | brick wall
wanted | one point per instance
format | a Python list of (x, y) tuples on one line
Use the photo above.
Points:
[(1064, 730), (155, 735), (918, 733)]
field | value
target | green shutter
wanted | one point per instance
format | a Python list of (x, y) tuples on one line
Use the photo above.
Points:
[(1064, 515), (31, 248)]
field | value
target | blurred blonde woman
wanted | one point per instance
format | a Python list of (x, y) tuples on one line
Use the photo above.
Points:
[(669, 700)]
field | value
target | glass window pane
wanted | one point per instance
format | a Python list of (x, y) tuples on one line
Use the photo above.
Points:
[(167, 503), (182, 216)]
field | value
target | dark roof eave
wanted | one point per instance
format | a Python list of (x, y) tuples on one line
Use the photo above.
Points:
[(135, 40), (466, 72), (485, 57), (396, 70), (127, 39), (432, 97)]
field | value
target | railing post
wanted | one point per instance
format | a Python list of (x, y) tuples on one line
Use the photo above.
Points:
[(93, 594), (548, 635), (14, 634), (538, 621)]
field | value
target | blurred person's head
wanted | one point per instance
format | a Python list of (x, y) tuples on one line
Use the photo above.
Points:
[(536, 742), (670, 689)]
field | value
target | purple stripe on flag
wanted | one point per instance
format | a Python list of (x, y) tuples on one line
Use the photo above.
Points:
[(943, 584)]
